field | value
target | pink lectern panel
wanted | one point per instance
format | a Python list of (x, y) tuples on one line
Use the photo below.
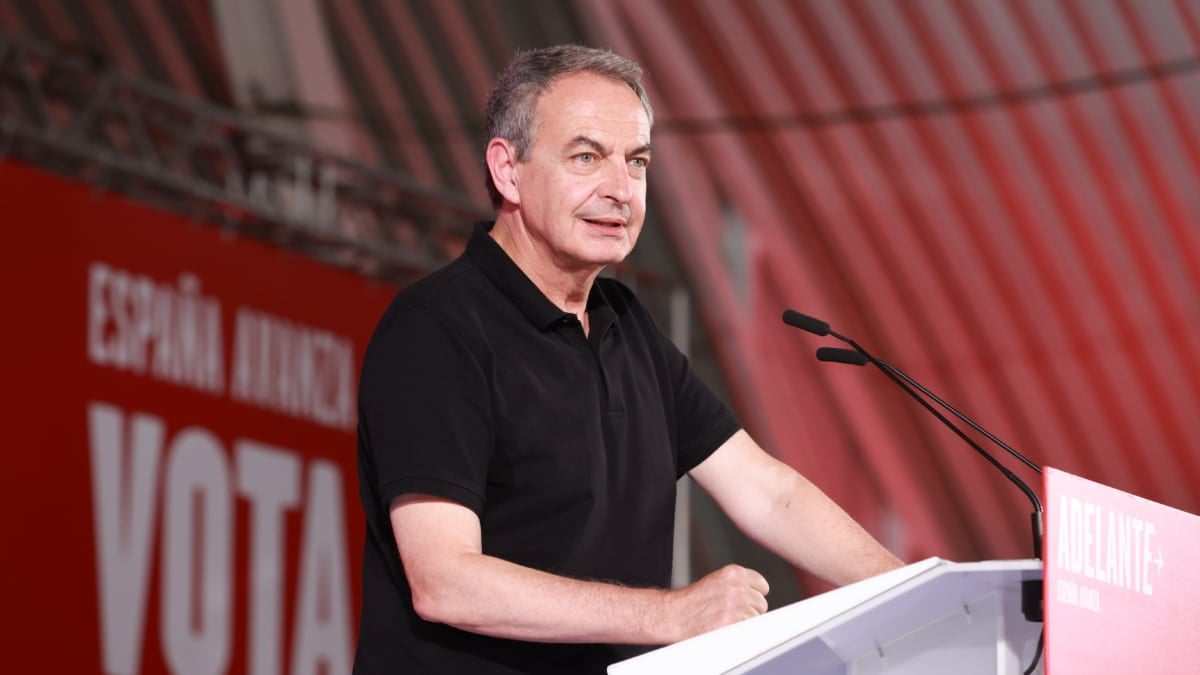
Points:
[(1122, 582)]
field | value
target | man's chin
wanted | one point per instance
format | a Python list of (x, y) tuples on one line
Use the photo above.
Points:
[(612, 257), (596, 263)]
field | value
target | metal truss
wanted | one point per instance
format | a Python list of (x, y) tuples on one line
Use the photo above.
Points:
[(65, 112)]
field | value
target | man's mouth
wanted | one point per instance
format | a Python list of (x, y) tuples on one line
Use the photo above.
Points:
[(606, 222)]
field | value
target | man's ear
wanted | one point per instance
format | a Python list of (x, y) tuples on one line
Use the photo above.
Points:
[(502, 163)]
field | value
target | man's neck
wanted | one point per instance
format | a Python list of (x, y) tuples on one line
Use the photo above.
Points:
[(567, 289)]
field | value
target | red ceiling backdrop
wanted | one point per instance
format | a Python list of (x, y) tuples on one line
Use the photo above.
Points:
[(1002, 198), (999, 197)]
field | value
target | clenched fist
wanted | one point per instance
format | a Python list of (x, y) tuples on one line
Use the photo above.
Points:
[(725, 596)]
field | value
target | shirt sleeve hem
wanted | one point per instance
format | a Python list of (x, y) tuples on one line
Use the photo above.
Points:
[(433, 487), (709, 444)]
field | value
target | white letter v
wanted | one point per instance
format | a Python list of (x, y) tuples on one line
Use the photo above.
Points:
[(124, 505)]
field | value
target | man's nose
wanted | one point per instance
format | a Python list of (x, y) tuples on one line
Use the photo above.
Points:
[(617, 185)]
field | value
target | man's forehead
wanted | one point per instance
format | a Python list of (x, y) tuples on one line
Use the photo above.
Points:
[(588, 96)]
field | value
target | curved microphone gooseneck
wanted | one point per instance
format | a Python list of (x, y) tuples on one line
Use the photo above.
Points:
[(861, 356)]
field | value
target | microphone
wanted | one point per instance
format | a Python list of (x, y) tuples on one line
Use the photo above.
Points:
[(860, 356), (804, 322), (839, 355), (1031, 590)]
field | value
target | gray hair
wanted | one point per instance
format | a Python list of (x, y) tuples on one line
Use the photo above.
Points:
[(512, 105)]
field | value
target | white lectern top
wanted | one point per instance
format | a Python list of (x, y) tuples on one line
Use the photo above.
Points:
[(879, 624)]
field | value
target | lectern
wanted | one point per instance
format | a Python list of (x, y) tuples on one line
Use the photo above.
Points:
[(931, 617), (1120, 597)]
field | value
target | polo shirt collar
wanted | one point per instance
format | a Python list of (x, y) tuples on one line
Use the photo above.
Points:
[(520, 289)]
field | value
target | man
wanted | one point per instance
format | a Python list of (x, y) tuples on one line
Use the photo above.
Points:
[(523, 422)]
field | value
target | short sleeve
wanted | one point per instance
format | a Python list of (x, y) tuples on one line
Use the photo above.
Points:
[(425, 410)]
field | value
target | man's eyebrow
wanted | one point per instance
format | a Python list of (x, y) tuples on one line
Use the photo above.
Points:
[(588, 142), (599, 148), (640, 150)]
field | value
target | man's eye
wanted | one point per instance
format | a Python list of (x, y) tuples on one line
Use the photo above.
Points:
[(640, 162), (585, 157)]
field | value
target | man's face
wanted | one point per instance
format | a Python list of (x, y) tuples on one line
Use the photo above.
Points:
[(583, 188)]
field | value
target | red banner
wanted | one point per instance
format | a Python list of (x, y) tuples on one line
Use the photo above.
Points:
[(179, 490), (1121, 593)]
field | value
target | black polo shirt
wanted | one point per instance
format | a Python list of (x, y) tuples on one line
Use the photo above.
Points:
[(476, 388)]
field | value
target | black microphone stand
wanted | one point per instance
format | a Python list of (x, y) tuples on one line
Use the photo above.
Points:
[(1031, 591)]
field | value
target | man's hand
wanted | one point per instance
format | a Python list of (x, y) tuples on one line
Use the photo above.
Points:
[(725, 596)]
